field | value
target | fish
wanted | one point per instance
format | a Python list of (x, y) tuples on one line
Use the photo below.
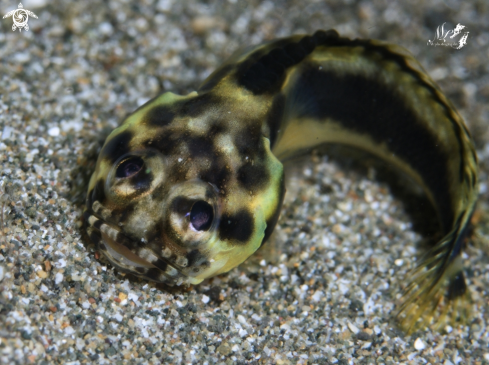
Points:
[(188, 187)]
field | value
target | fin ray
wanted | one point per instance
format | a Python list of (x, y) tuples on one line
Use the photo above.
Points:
[(437, 289)]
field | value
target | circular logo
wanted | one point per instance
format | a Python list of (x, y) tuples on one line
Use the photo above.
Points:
[(20, 18)]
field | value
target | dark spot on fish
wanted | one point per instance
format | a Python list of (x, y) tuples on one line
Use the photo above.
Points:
[(250, 144), (236, 227), (200, 147), (253, 177), (198, 105), (195, 258), (216, 128), (166, 143), (159, 116), (218, 174), (117, 146)]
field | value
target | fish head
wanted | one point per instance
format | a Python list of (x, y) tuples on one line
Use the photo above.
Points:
[(185, 189)]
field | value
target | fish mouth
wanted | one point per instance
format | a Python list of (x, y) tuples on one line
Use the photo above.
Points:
[(131, 256)]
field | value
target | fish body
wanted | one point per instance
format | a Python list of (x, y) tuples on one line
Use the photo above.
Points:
[(189, 187)]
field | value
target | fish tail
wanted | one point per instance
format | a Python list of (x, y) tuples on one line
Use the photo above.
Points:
[(437, 293)]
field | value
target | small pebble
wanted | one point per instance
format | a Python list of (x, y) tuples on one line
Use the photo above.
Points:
[(42, 274), (54, 131), (353, 328), (58, 278), (419, 344)]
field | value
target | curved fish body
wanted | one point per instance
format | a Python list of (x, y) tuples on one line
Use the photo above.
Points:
[(189, 187)]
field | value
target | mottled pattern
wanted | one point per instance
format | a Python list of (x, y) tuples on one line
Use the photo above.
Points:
[(218, 149)]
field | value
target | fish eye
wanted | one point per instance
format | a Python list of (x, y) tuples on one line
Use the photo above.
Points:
[(129, 167), (135, 175), (201, 216), (192, 213)]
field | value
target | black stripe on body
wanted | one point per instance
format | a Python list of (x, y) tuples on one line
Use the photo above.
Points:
[(265, 73), (402, 62), (369, 107), (274, 117)]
